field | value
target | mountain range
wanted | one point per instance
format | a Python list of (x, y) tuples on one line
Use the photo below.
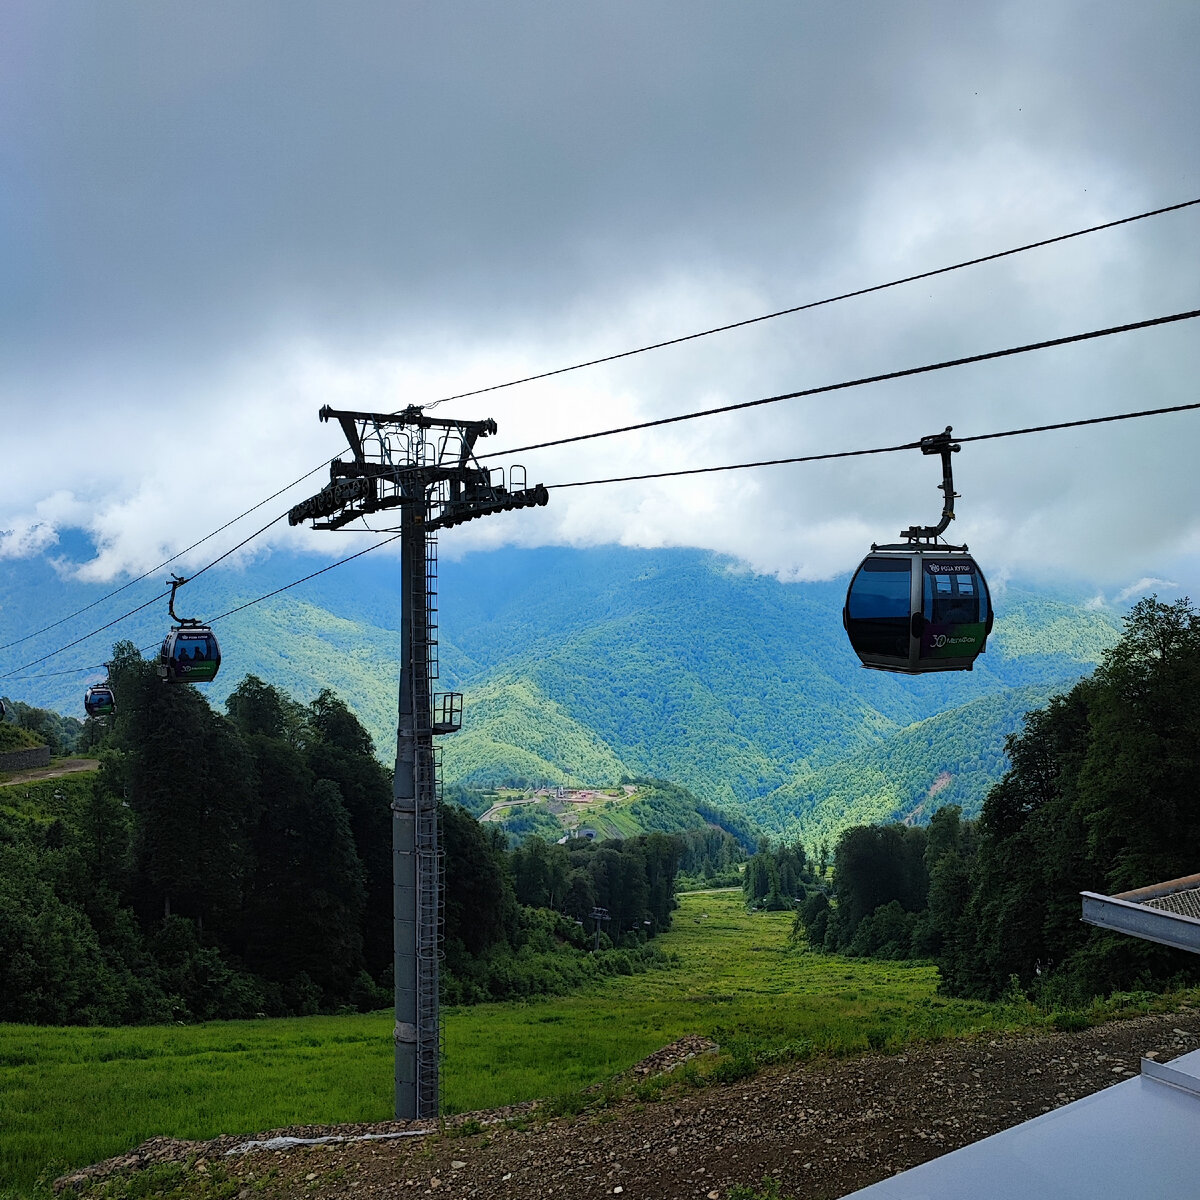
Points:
[(587, 666)]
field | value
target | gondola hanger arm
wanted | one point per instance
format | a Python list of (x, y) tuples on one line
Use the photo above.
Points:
[(938, 443), (176, 583)]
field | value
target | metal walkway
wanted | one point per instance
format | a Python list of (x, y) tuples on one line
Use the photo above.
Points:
[(1164, 912)]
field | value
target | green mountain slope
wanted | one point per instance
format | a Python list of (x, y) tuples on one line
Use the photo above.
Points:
[(583, 666), (951, 758), (517, 733), (618, 812)]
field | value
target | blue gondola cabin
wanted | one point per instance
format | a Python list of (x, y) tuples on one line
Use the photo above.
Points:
[(914, 609)]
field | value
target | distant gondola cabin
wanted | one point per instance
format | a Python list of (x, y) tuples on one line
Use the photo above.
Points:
[(915, 609), (98, 701), (190, 655)]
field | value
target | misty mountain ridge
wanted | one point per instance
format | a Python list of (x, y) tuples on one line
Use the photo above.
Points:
[(585, 666)]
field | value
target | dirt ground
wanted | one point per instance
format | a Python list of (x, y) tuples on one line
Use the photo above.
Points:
[(821, 1129), (64, 766)]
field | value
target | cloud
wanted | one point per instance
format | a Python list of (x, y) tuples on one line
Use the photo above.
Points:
[(26, 538), (1143, 587), (36, 531), (221, 220)]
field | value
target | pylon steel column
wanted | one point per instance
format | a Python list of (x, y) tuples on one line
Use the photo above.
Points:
[(404, 844), (416, 873)]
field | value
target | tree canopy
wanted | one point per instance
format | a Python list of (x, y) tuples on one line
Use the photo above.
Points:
[(228, 865), (1102, 794)]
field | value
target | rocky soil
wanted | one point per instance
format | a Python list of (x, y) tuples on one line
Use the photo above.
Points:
[(821, 1129)]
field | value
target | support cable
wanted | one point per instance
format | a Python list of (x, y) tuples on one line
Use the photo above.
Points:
[(305, 579), (630, 353), (235, 549), (167, 562), (806, 458), (852, 383), (152, 600), (86, 636), (784, 312), (240, 608)]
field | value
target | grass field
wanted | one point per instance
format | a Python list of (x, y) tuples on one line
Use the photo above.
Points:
[(71, 1096)]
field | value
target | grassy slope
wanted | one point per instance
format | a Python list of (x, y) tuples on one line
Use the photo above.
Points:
[(613, 813), (73, 1096), (14, 738), (43, 800), (515, 732)]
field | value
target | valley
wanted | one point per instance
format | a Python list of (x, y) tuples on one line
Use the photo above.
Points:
[(581, 668)]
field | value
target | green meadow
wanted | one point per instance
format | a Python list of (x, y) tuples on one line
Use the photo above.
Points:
[(71, 1096)]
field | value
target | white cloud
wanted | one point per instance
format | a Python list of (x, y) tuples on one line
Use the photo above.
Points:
[(36, 532), (419, 207), (1143, 587), (26, 537)]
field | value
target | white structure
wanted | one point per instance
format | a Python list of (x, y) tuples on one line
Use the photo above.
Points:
[(1137, 1138)]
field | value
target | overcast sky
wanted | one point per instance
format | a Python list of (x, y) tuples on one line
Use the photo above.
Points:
[(217, 217)]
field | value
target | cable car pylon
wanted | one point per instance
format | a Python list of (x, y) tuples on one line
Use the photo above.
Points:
[(426, 467)]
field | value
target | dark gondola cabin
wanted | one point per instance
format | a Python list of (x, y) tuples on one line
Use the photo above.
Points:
[(921, 605), (914, 609), (190, 655), (99, 701)]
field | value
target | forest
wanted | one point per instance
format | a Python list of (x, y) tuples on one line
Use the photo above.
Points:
[(239, 864), (236, 863), (1102, 794)]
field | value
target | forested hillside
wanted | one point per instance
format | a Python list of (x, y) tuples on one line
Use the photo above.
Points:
[(1101, 795), (951, 758), (584, 666), (226, 865)]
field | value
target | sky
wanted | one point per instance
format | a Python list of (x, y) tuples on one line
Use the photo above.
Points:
[(216, 218)]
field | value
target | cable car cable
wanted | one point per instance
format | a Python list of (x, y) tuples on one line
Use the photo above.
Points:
[(154, 599), (243, 542), (807, 458), (627, 354), (86, 636), (306, 578), (905, 373), (173, 558), (239, 608), (783, 312)]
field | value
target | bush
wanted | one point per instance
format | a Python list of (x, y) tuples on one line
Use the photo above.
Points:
[(367, 996), (13, 737), (201, 984), (733, 1068), (1070, 1021)]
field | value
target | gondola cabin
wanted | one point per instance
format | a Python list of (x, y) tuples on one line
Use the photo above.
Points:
[(918, 608), (99, 701), (190, 654)]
